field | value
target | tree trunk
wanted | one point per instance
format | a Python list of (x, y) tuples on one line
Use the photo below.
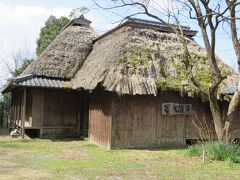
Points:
[(218, 125), (232, 116), (217, 116)]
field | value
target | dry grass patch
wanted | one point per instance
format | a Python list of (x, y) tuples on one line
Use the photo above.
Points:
[(75, 154)]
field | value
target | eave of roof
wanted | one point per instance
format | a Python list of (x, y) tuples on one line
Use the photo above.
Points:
[(37, 81)]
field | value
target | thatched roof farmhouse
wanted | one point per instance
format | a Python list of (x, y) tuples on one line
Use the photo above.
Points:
[(126, 88)]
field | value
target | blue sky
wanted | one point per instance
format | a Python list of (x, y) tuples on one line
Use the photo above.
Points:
[(21, 20)]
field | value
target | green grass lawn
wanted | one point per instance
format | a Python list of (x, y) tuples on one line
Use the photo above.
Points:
[(73, 159)]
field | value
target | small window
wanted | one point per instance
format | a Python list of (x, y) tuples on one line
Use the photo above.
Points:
[(190, 142), (32, 133), (236, 141)]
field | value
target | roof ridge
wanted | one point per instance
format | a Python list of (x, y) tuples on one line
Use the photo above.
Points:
[(157, 23), (143, 23)]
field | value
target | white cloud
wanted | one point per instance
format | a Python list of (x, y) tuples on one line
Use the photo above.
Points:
[(24, 22), (20, 25), (22, 14)]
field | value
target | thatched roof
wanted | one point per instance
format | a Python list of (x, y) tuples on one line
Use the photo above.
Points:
[(137, 57), (138, 60), (65, 55)]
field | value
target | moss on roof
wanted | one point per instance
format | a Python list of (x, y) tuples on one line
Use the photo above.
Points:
[(135, 60)]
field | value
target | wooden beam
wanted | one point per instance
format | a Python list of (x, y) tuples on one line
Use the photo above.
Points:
[(42, 113), (59, 127), (10, 116), (19, 113), (79, 115), (13, 109), (24, 97)]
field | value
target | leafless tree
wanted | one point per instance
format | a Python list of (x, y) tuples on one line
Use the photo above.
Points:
[(204, 128), (208, 15), (14, 60)]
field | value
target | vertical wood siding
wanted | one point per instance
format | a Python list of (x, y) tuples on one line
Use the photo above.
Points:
[(28, 120), (137, 121), (60, 113), (37, 108), (60, 109), (84, 116), (16, 108), (54, 112), (100, 119)]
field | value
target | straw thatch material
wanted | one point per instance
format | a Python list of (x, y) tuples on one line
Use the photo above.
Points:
[(65, 55), (135, 60)]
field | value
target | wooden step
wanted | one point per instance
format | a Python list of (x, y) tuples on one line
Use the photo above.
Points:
[(14, 133)]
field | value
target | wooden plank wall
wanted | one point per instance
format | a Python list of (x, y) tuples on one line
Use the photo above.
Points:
[(54, 112), (37, 108), (16, 107), (84, 116), (137, 121), (60, 113), (100, 118), (28, 120), (34, 108)]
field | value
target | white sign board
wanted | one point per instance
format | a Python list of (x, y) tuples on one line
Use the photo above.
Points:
[(176, 109)]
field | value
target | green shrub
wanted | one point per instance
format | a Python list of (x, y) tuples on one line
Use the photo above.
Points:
[(218, 151), (221, 151), (194, 151), (234, 159)]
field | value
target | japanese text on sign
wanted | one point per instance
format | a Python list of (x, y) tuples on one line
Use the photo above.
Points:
[(176, 109)]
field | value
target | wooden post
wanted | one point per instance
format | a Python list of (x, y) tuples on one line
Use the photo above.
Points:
[(10, 116), (79, 106), (14, 110), (89, 119), (23, 111), (19, 108), (204, 156), (42, 115)]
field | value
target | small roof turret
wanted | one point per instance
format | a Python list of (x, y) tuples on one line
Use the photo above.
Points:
[(81, 21)]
